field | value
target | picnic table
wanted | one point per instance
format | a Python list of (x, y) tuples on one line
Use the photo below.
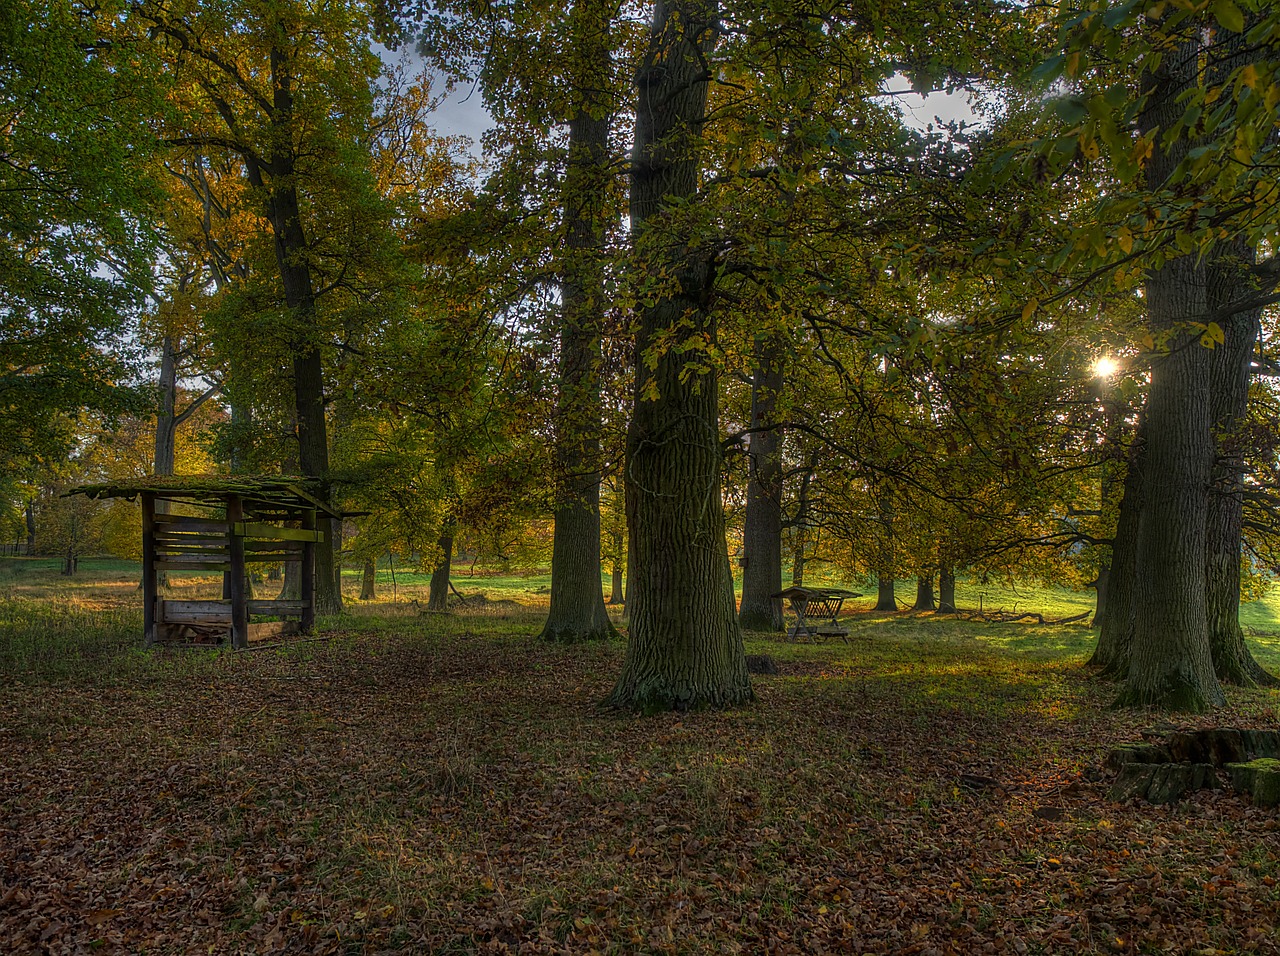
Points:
[(816, 611)]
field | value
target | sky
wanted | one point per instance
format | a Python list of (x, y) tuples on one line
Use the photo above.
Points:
[(463, 113)]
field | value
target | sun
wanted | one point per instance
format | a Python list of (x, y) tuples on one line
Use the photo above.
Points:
[(1105, 367)]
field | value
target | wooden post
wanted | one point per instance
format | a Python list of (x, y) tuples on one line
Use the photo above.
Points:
[(235, 575), (308, 588), (150, 588)]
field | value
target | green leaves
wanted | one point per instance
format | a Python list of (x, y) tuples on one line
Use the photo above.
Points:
[(1228, 15)]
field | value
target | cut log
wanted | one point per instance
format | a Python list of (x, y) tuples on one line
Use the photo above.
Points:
[(1261, 743), (1259, 778), (1161, 782), (1136, 753)]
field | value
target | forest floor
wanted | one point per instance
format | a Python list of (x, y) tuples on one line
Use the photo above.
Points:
[(427, 783)]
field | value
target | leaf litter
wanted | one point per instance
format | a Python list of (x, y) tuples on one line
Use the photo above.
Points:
[(430, 789)]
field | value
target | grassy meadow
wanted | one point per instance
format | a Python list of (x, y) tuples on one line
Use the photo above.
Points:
[(417, 783)]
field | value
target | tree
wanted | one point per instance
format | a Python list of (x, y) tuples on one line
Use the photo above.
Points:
[(762, 522), (685, 650), (75, 250), (1171, 665), (577, 610), (286, 89)]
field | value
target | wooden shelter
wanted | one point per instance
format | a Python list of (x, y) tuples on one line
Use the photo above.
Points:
[(242, 520)]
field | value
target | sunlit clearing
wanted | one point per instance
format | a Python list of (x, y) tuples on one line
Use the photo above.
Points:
[(1105, 367)]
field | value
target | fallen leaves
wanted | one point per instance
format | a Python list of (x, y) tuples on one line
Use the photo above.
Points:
[(426, 793)]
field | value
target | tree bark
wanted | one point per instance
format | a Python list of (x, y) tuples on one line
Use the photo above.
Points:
[(1172, 666), (798, 558), (31, 526), (368, 579), (291, 250), (577, 611), (885, 598), (762, 524), (946, 590), (1115, 635), (438, 596), (1228, 275), (166, 428), (615, 583), (924, 594), (885, 557), (685, 650)]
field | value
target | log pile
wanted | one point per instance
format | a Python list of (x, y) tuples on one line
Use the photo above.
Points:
[(1169, 766)]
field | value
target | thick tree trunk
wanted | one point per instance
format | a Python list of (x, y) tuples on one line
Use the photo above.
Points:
[(31, 526), (438, 596), (885, 598), (801, 537), (924, 594), (1228, 276), (762, 525), (1172, 667), (946, 590), (369, 579), (577, 610), (685, 649), (1115, 634)]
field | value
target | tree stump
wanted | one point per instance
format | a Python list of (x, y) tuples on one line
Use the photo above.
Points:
[(1259, 778), (1162, 782), (1136, 753), (761, 664)]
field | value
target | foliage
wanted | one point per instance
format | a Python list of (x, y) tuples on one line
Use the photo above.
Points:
[(75, 207)]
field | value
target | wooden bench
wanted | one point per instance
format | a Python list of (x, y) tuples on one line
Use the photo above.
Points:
[(817, 613)]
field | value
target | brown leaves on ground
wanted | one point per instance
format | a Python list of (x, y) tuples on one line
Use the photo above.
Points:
[(447, 791)]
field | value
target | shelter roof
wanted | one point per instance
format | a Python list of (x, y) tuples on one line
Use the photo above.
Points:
[(283, 493)]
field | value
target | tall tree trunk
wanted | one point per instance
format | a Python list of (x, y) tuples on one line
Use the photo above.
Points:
[(31, 526), (291, 249), (166, 429), (1112, 468), (685, 649), (627, 579), (577, 611), (166, 415), (615, 583), (438, 596), (885, 557), (946, 590), (1229, 277), (1115, 634), (885, 598), (801, 537), (368, 579), (1172, 667), (924, 594), (762, 525)]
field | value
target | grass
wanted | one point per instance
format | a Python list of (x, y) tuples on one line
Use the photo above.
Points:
[(426, 783)]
